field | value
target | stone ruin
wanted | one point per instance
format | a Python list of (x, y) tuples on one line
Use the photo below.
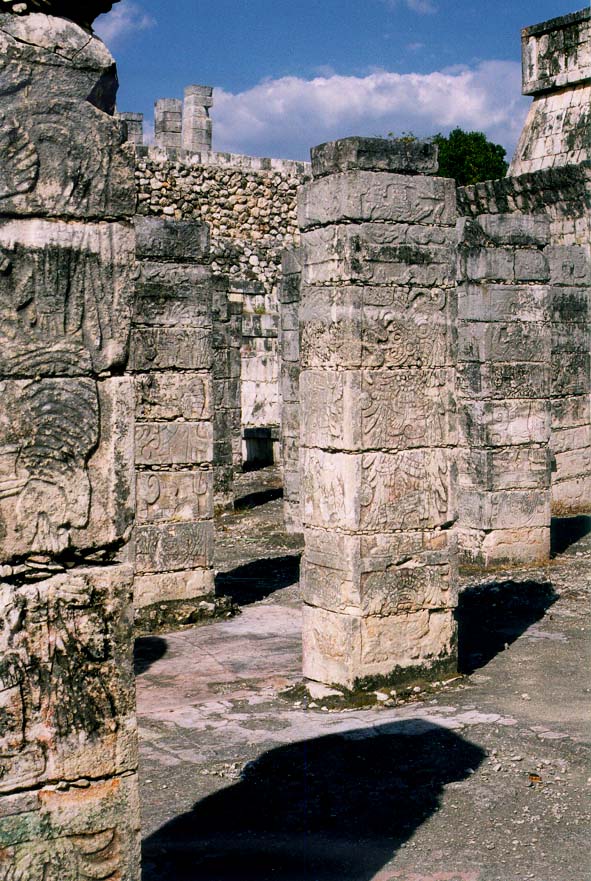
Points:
[(430, 374)]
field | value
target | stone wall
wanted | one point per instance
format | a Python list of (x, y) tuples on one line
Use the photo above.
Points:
[(289, 345), (557, 73), (68, 752), (171, 357), (227, 404)]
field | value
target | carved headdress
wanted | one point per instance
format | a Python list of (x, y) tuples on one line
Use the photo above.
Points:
[(82, 13)]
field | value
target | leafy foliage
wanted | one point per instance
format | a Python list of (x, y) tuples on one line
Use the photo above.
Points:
[(468, 157)]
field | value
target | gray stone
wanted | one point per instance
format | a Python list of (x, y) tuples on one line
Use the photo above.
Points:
[(374, 154)]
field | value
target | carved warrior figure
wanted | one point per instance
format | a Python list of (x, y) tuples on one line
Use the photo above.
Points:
[(82, 13)]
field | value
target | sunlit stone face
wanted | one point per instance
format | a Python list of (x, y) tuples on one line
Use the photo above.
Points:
[(83, 14)]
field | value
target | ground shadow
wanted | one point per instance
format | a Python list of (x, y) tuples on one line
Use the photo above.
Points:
[(256, 499), (146, 651), (255, 581), (492, 616), (334, 808), (566, 531)]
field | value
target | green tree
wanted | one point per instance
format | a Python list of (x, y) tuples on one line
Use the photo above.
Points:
[(469, 157)]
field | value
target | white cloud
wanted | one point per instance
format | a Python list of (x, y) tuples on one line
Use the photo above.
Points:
[(422, 7), (285, 117), (124, 19)]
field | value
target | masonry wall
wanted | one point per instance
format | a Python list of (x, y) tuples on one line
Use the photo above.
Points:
[(289, 345)]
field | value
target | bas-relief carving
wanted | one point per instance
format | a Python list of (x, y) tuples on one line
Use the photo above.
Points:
[(61, 689), (176, 496), (166, 396), (174, 443)]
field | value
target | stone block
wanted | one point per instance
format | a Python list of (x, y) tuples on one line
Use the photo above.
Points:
[(570, 337), (570, 374), (172, 547), (171, 240), (515, 229), (570, 411), (503, 509), (166, 348), (573, 463), (376, 492), (504, 423), (172, 295), (167, 587), (504, 380), (66, 683), (66, 294), (569, 265), (531, 266), (374, 196), (379, 254), (174, 443), (503, 302), (90, 831), (173, 396), (487, 264), (578, 438), (570, 496), (178, 496), (517, 467), (502, 547), (374, 154), (506, 341), (379, 409), (66, 465), (569, 304)]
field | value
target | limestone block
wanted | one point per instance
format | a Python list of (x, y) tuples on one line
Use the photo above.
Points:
[(71, 834), (226, 394), (165, 348), (66, 681), (290, 382), (556, 53), (565, 439), (179, 496), (343, 649), (66, 465), (177, 241), (516, 341), (502, 547), (374, 154), (518, 467), (380, 409), (531, 266), (504, 423), (574, 463), (503, 380), (503, 509), (172, 587), (378, 253), (503, 302), (374, 196), (570, 411), (169, 294), (570, 496), (358, 553), (174, 443), (487, 264), (173, 546), (66, 293), (66, 157), (376, 492), (569, 266), (173, 396), (410, 586), (514, 229), (571, 337), (570, 373), (569, 304)]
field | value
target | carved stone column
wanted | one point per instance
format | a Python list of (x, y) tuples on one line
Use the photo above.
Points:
[(68, 756), (377, 409)]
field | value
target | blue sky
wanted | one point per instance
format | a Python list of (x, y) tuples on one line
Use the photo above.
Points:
[(289, 74)]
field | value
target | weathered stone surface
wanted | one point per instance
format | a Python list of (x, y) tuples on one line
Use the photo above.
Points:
[(174, 496), (160, 239), (189, 585), (173, 396), (174, 443), (174, 546), (374, 154), (66, 682), (164, 348), (67, 8)]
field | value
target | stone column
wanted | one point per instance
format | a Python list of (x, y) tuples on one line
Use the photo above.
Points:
[(504, 391), (289, 386), (377, 383), (570, 305), (68, 753), (171, 356), (168, 122), (197, 126), (227, 447), (135, 127)]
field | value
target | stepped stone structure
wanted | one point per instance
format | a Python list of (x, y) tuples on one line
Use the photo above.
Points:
[(557, 73), (171, 359), (68, 753), (377, 424)]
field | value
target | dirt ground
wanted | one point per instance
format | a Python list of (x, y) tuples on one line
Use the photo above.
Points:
[(485, 778)]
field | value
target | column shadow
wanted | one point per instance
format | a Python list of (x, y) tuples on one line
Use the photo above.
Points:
[(146, 651), (335, 808), (566, 531), (254, 581), (492, 616)]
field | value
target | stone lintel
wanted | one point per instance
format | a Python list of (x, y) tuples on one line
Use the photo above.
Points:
[(374, 154)]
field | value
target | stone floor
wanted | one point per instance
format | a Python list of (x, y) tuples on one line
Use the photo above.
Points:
[(485, 778)]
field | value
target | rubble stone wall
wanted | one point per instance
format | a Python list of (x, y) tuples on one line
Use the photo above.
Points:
[(68, 748), (171, 358)]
